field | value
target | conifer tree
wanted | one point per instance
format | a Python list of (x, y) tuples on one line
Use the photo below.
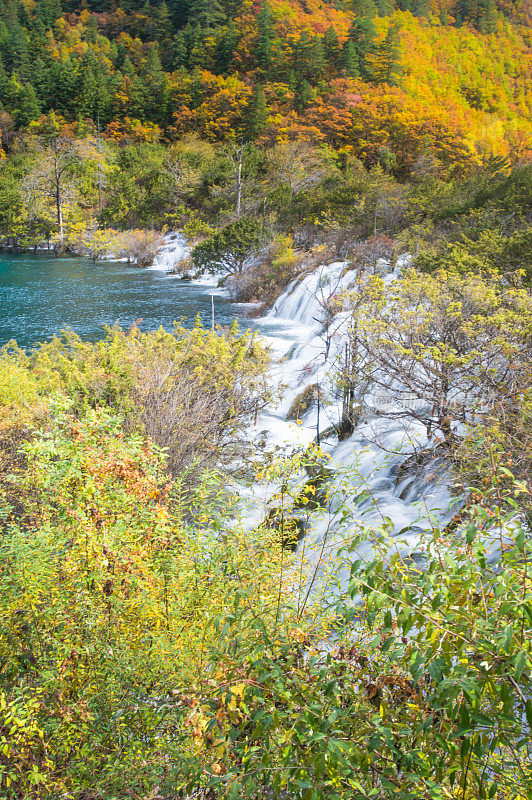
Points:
[(349, 60), (266, 34), (208, 14), (331, 46), (384, 63), (317, 60), (302, 95), (227, 45), (256, 115), (362, 35), (163, 33)]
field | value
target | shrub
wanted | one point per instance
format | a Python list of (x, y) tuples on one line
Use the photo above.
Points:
[(140, 246), (228, 248), (271, 272), (192, 392)]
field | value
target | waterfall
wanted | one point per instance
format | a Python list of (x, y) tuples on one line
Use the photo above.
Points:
[(372, 475), (174, 251)]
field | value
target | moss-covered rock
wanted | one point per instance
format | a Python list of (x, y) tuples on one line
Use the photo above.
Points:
[(303, 402)]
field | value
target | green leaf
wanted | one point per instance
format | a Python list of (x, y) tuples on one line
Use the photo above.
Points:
[(471, 532), (520, 664), (528, 711)]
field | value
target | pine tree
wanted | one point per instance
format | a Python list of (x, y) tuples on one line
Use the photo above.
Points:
[(22, 101), (87, 85), (303, 55), (363, 8), (91, 32), (4, 81), (179, 50), (332, 47), (362, 34), (350, 61), (208, 14), (256, 115), (40, 80), (155, 87), (28, 107), (227, 44), (384, 65), (163, 33), (63, 86), (266, 34), (302, 95), (317, 60), (487, 16)]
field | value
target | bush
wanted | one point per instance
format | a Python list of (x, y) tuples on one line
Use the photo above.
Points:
[(140, 246), (192, 392), (271, 272), (423, 691), (228, 248)]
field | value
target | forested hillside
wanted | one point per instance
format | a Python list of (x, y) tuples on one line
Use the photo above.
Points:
[(275, 70), (302, 117)]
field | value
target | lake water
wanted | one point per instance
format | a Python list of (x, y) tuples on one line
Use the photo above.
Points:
[(41, 295)]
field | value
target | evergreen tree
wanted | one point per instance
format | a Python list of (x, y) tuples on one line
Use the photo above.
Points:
[(384, 7), (91, 33), (87, 84), (350, 60), (40, 80), (63, 86), (363, 8), (362, 35), (303, 55), (4, 81), (256, 115), (317, 60), (22, 101), (208, 14), (487, 16), (28, 107), (179, 50), (332, 47), (227, 44), (302, 95), (384, 64), (155, 87), (266, 35), (163, 33)]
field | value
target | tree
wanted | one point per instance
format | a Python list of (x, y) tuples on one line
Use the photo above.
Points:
[(302, 95), (383, 65), (439, 349), (362, 35), (266, 35), (208, 14), (331, 46), (229, 248), (57, 166), (235, 154), (350, 59), (256, 115)]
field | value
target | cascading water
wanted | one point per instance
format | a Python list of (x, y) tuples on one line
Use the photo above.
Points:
[(368, 478), (367, 481), (174, 252)]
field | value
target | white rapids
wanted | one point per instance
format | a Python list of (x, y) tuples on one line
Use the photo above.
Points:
[(367, 478)]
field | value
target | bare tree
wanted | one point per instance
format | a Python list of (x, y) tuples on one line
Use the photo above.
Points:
[(54, 176), (439, 349), (235, 154)]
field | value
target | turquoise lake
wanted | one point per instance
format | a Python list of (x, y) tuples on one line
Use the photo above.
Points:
[(41, 295)]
